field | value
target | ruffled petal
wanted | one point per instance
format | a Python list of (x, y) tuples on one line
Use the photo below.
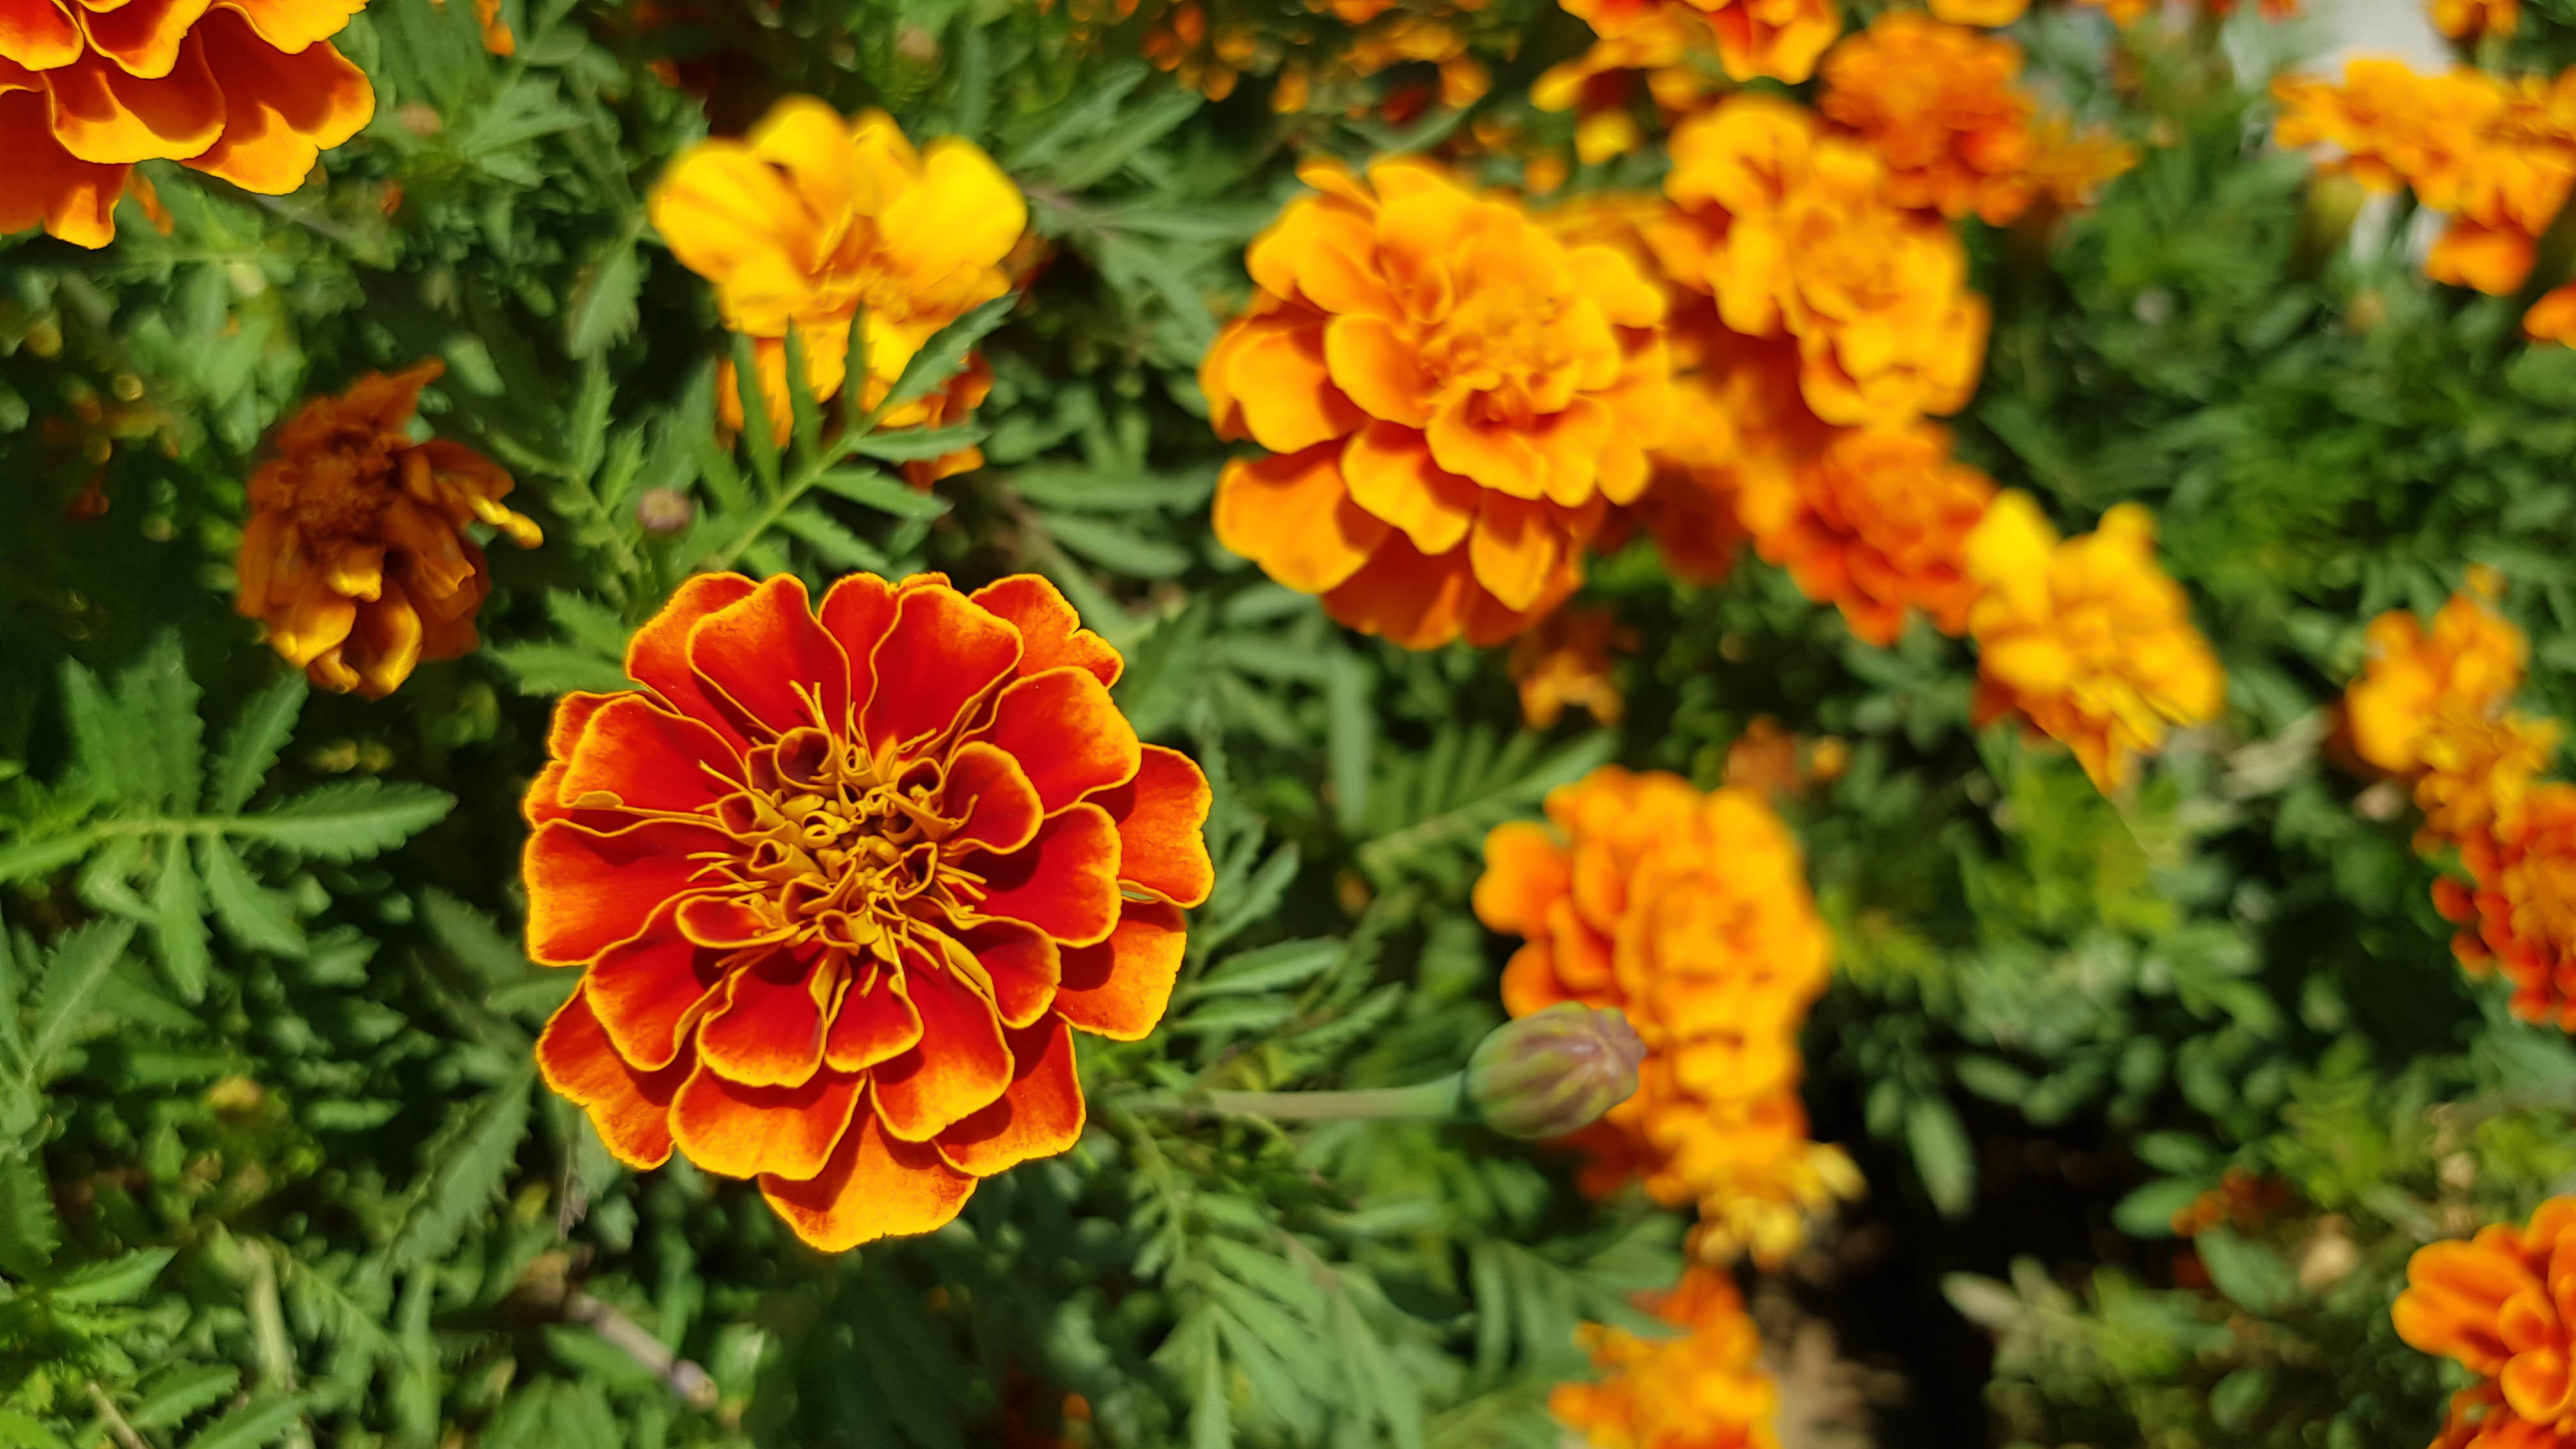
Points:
[(630, 1108), (768, 1030), (647, 992), (1051, 634), (1377, 370), (765, 659), (737, 1131), (281, 111), (1039, 1115), (1390, 472), (873, 1187), (1120, 987), (143, 37), (643, 757), (103, 114), (1065, 882), (1162, 846), (857, 612), (1292, 515), (589, 889), (875, 1021), (942, 655), (960, 1066), (1066, 734), (1001, 808), (1276, 374), (38, 34), (50, 187), (1526, 871), (291, 25), (1022, 963), (658, 656)]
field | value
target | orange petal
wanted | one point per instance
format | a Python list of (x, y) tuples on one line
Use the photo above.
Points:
[(1023, 963), (572, 715), (1377, 370), (726, 923), (1119, 988), (1530, 983), (1039, 1115), (1390, 473), (942, 655), (1065, 882), (648, 758), (1162, 849), (1051, 634), (1066, 735), (143, 37), (873, 1187), (281, 111), (589, 889), (1514, 548), (857, 612), (38, 34), (291, 25), (102, 114), (959, 1066), (647, 991), (658, 656), (875, 1021), (1416, 601), (1277, 376), (630, 1108), (768, 1030), (49, 187), (1525, 872), (1292, 515), (765, 658), (1494, 455), (1001, 807), (738, 1131)]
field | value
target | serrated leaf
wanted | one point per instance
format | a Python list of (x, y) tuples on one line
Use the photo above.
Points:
[(18, 1431), (1271, 968), (1350, 735), (179, 922), (759, 428), (251, 746), (80, 964), (1114, 547), (471, 938), (473, 1155), (43, 855), (835, 544), (914, 445), (944, 355), (347, 819), (257, 1423), (118, 1280), (562, 668), (872, 489), (175, 1396), (28, 1232), (602, 309), (254, 915)]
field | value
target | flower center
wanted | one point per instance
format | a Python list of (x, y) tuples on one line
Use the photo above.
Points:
[(339, 490), (836, 845)]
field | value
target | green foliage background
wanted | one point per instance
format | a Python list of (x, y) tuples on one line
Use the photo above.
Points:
[(274, 1165)]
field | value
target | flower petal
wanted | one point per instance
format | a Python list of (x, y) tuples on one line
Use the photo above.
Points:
[(1039, 1115), (48, 186), (959, 1066), (291, 25), (102, 114), (1390, 473), (942, 655), (658, 656), (646, 992), (1119, 988), (1065, 882), (572, 716), (1408, 598), (589, 889), (1276, 374), (1001, 807), (764, 657), (143, 37), (873, 1187), (630, 1108), (1162, 848), (738, 1131), (281, 111), (645, 758), (38, 34), (768, 1030), (1514, 549), (857, 612), (1525, 871), (1023, 964), (875, 1021), (1292, 515), (1066, 734), (1051, 634)]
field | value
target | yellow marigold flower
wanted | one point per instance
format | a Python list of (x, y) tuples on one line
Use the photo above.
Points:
[(355, 554), (1703, 1388), (1689, 912), (2086, 639), (2429, 708), (2069, 170), (811, 219), (1943, 107), (1794, 233), (1987, 13), (1566, 660), (1451, 397), (1599, 85), (1776, 38), (2479, 771), (1876, 525), (2553, 317), (2470, 20)]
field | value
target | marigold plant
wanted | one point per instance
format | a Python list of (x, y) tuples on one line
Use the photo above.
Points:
[(842, 882), (2498, 1303), (1876, 525), (1704, 1387)]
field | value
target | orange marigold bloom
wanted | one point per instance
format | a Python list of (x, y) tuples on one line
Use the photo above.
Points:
[(1877, 525), (1599, 84), (2519, 909), (1702, 1388), (2498, 1303), (1943, 107), (248, 90), (2471, 20), (1689, 912), (2429, 708), (355, 555), (1566, 660), (2553, 317), (1990, 14), (1452, 399), (1776, 38), (842, 887), (810, 220), (1792, 230), (2086, 638), (2068, 169)]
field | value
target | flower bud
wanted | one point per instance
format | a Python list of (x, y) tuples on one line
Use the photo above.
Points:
[(665, 512), (1553, 1071)]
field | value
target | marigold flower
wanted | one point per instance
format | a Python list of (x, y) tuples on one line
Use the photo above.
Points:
[(2470, 20), (1776, 38), (355, 555), (1792, 230), (2519, 908), (1943, 107), (2429, 708), (2497, 1303), (843, 886), (2086, 638), (1566, 660), (1452, 399), (1689, 912), (1703, 1388), (2553, 317), (1599, 84), (2068, 169), (1990, 14), (1876, 525), (810, 220), (250, 92)]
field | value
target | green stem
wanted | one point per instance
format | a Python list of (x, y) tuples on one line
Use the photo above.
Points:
[(1434, 1100)]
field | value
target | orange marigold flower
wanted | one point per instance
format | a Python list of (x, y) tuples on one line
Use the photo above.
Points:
[(1689, 912), (2519, 909), (2497, 1303), (1877, 525), (1792, 230), (1990, 14), (810, 220), (1566, 660), (2069, 169), (1943, 107), (248, 90), (2470, 20), (2086, 638), (1702, 1388), (2553, 317), (1776, 38), (355, 554), (1600, 84), (2429, 708), (843, 883), (1452, 399)]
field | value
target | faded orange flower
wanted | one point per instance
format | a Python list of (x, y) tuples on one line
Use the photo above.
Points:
[(1688, 912), (1702, 1388), (1776, 38), (1451, 397), (1566, 660), (2087, 638), (2428, 708), (248, 90), (1876, 525), (1943, 107), (355, 554), (2499, 1305)]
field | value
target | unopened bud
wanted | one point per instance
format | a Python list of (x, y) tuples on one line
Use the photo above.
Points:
[(917, 44), (665, 512), (1554, 1071)]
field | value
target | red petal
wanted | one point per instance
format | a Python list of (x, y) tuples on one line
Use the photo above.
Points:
[(1118, 989), (281, 110), (728, 923), (572, 716), (768, 1032), (873, 1187), (942, 655), (1066, 734), (1040, 1116), (959, 1065), (1001, 807), (1023, 964), (589, 889), (1065, 883), (630, 1108), (141, 36), (38, 34), (1051, 634), (1161, 848), (857, 612), (649, 758), (738, 1131), (104, 115), (874, 1022), (645, 992), (658, 656), (766, 658)]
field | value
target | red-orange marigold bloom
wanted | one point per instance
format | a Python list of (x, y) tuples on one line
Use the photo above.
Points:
[(1943, 107), (248, 90), (2428, 708), (2518, 913), (1876, 525), (2500, 1304), (1703, 1388), (354, 555), (843, 883), (1452, 398), (1776, 38)]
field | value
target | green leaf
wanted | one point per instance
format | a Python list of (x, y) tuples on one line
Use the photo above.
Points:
[(759, 430), (854, 369), (944, 355), (79, 966), (18, 1431), (602, 309), (1942, 1154), (1350, 735), (177, 1395), (831, 542), (562, 668), (118, 1280), (347, 819), (872, 489), (471, 938), (2148, 1211), (913, 445), (28, 1232), (2251, 1274), (1116, 548), (179, 921), (2239, 1397), (804, 419), (260, 1422), (469, 1161), (256, 916), (29, 858), (1271, 968), (252, 745)]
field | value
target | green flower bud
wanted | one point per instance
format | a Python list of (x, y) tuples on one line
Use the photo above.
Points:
[(1553, 1071)]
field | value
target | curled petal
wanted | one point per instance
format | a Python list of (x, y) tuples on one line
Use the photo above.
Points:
[(281, 111), (942, 655), (1293, 515), (647, 992), (644, 757), (739, 1131), (875, 1022), (1023, 964), (857, 612), (1066, 734), (589, 889), (1001, 808), (631, 1108), (768, 1030), (1039, 1115), (1051, 634), (764, 657), (1525, 872), (658, 656), (1065, 882), (959, 1066), (1162, 850), (1119, 988)]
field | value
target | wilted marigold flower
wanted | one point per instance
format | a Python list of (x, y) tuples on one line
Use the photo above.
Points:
[(1776, 38), (2497, 1304), (1703, 1388), (2518, 912), (1689, 912), (2086, 638), (844, 885), (1943, 107), (355, 554), (1451, 396), (2429, 709), (1877, 525), (1566, 660)]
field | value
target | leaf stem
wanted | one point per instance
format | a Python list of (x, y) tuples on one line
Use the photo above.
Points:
[(122, 1431)]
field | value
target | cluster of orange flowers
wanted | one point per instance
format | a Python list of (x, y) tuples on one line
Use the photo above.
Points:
[(1702, 1388), (2496, 154), (2499, 1304), (2429, 709), (1689, 913)]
